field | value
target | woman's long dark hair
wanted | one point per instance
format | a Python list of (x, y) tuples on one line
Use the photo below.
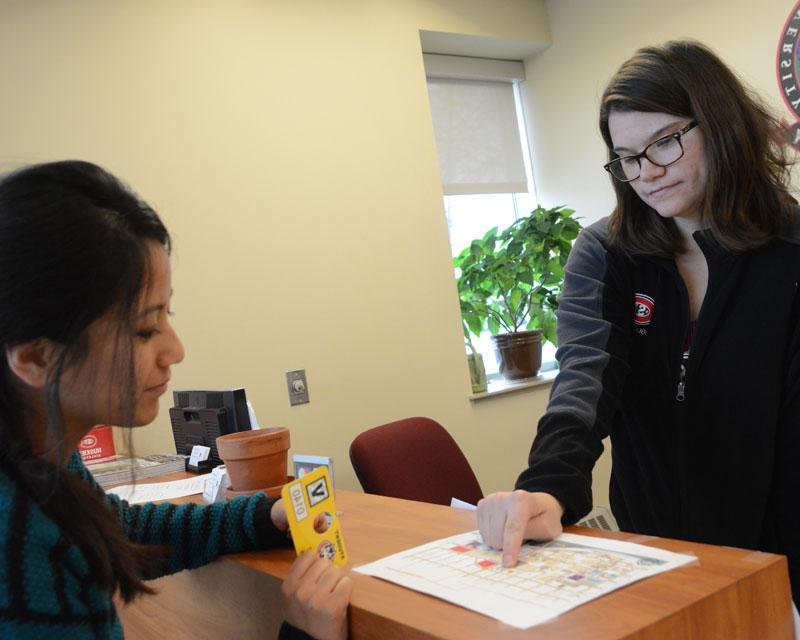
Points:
[(747, 199), (73, 248)]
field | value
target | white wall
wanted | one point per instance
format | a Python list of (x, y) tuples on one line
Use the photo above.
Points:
[(288, 146)]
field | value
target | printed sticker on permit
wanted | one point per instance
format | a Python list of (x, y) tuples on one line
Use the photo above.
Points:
[(307, 498)]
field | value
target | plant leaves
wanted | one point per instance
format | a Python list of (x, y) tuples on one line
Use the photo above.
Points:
[(512, 278)]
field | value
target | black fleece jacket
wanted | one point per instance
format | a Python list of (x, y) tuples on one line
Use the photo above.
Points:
[(704, 449)]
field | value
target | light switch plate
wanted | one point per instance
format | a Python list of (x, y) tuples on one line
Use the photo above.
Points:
[(298, 386)]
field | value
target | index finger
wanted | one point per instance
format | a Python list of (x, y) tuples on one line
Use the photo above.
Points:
[(513, 533)]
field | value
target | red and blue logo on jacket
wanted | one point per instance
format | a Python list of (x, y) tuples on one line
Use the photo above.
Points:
[(643, 309)]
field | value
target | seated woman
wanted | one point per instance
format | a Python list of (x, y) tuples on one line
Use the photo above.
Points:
[(85, 290)]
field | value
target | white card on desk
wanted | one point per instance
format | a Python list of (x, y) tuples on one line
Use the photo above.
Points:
[(216, 484), (199, 453)]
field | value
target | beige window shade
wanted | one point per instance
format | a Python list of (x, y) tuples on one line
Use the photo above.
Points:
[(477, 136)]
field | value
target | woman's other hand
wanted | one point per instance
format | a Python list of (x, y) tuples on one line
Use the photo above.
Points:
[(315, 596)]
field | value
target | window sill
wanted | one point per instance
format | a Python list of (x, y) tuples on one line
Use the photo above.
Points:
[(500, 386)]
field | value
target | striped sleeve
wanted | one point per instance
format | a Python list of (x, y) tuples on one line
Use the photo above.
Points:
[(195, 534), (46, 585), (594, 317)]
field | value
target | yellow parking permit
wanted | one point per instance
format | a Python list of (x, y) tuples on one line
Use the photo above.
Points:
[(305, 499)]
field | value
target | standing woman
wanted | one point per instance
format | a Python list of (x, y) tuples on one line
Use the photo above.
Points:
[(85, 288), (679, 326)]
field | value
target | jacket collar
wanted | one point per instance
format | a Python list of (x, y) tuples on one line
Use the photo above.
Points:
[(708, 244)]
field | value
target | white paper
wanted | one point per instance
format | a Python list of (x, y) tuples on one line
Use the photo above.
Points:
[(136, 494), (550, 578), (460, 504)]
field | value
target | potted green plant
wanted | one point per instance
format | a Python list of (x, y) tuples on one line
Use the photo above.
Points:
[(509, 283)]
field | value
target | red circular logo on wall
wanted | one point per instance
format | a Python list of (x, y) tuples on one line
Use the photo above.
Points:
[(643, 309), (788, 76)]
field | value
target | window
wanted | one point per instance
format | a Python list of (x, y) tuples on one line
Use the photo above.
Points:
[(471, 216), (483, 155)]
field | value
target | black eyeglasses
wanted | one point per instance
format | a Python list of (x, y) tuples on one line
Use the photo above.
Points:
[(662, 153)]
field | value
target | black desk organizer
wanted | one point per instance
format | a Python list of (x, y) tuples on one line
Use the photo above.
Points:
[(198, 426)]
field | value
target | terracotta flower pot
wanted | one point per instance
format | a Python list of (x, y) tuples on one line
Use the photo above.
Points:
[(255, 459), (519, 355), (271, 492)]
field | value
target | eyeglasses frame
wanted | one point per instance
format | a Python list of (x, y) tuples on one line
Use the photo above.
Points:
[(638, 157)]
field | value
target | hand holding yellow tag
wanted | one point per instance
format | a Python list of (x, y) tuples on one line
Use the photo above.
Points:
[(304, 500)]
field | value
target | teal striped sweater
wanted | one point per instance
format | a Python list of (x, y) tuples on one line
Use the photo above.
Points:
[(46, 590)]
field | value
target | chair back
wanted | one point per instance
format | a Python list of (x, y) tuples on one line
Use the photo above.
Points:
[(415, 459)]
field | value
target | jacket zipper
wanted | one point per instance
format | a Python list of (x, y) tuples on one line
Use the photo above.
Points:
[(680, 396)]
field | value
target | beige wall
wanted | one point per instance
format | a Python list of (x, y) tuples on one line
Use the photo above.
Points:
[(590, 39), (289, 147)]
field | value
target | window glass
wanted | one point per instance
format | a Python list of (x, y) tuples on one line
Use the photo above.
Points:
[(457, 107)]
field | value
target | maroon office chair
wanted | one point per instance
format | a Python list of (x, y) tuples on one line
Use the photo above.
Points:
[(415, 459)]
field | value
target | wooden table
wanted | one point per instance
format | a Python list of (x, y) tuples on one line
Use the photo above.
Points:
[(728, 593)]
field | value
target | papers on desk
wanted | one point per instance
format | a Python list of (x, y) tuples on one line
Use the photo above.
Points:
[(460, 504), (550, 578), (117, 469), (136, 494)]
